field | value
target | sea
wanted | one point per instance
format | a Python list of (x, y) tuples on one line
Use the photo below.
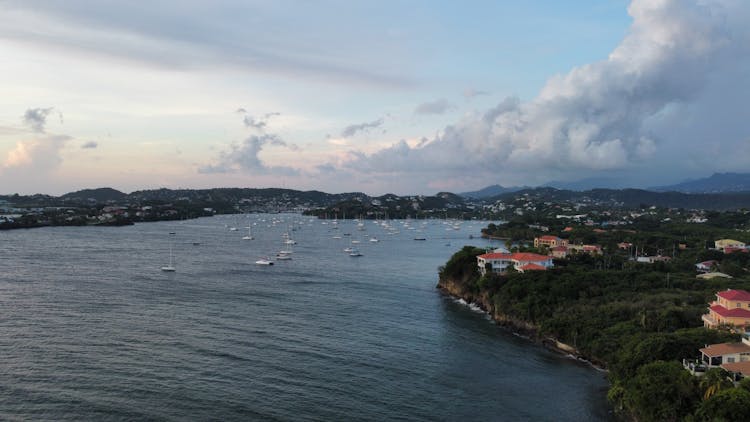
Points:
[(92, 329)]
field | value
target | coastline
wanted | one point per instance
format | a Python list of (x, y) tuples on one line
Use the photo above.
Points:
[(519, 327)]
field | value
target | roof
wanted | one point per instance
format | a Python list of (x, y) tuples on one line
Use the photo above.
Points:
[(495, 255), (708, 263), (518, 256), (532, 267), (731, 313), (741, 367), (549, 237), (722, 349), (529, 257), (708, 276), (732, 294)]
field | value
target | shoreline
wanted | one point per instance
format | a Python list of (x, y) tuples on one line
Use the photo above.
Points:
[(525, 330)]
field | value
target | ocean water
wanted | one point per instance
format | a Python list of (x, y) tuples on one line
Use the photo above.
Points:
[(91, 329)]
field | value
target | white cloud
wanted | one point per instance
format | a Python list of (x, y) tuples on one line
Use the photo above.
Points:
[(34, 157), (245, 158), (598, 117)]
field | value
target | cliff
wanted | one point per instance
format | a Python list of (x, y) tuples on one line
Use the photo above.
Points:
[(460, 288)]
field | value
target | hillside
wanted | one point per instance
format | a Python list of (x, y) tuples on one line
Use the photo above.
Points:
[(716, 183), (635, 198)]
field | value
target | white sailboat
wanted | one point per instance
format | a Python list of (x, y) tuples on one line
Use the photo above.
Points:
[(169, 268), (249, 234), (264, 261)]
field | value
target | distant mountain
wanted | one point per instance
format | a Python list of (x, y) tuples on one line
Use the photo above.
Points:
[(589, 183), (100, 196), (716, 183), (635, 198), (490, 191)]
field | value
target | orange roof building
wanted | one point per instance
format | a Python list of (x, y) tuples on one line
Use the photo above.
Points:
[(549, 241), (731, 308)]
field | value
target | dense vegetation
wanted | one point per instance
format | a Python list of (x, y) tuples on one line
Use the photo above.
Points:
[(637, 320)]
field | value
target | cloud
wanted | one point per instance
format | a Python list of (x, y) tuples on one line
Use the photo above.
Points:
[(244, 158), (259, 123), (352, 130), (90, 145), (439, 106), (471, 93), (34, 157), (604, 116), (36, 118), (240, 36)]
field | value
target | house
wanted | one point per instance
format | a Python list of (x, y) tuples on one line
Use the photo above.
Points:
[(733, 357), (706, 266), (652, 259), (587, 249), (549, 241), (731, 308), (559, 252), (731, 243), (499, 262), (715, 355), (625, 245)]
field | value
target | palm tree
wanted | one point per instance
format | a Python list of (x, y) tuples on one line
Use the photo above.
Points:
[(714, 381)]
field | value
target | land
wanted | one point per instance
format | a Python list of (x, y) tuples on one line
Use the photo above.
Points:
[(636, 317), (546, 206)]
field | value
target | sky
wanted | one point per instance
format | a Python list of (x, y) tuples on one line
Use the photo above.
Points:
[(404, 97)]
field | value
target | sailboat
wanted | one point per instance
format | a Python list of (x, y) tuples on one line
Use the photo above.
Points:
[(249, 234), (169, 268)]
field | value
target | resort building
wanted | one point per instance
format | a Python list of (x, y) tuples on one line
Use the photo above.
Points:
[(731, 308), (498, 262), (549, 241)]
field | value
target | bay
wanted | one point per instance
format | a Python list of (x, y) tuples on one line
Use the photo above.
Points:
[(92, 329)]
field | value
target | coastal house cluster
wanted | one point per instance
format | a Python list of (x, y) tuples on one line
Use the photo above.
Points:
[(730, 310)]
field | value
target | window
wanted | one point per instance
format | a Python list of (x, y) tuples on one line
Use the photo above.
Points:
[(730, 360), (738, 305)]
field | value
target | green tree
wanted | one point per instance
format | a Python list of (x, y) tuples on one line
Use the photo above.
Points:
[(661, 391), (732, 404), (714, 381)]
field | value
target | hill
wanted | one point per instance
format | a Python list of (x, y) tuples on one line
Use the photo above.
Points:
[(100, 195), (636, 198), (716, 183), (490, 191)]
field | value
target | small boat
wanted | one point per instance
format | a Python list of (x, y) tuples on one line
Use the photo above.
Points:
[(169, 268), (264, 261), (283, 256), (420, 238), (233, 229), (249, 234), (374, 240), (349, 250), (355, 253)]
